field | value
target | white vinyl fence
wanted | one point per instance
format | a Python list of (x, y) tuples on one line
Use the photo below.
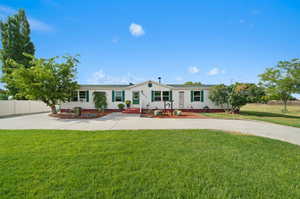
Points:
[(18, 107)]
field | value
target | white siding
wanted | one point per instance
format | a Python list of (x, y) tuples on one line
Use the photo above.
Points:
[(145, 98), (188, 104)]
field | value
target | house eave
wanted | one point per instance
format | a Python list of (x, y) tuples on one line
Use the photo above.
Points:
[(127, 86)]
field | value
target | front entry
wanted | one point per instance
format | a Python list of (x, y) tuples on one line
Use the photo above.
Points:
[(181, 99), (136, 97)]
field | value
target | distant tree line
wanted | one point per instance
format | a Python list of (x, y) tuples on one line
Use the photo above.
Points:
[(193, 83)]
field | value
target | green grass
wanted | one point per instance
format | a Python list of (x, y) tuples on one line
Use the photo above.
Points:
[(263, 112), (146, 164)]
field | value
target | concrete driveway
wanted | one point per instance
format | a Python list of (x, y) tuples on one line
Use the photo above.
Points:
[(116, 121)]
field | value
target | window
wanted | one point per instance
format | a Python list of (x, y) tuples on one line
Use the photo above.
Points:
[(118, 96), (157, 95), (161, 95), (166, 96), (82, 96), (197, 96), (74, 97)]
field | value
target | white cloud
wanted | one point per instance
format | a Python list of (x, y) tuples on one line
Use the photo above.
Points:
[(35, 24), (100, 77), (216, 71), (39, 25), (136, 30), (193, 69), (6, 10)]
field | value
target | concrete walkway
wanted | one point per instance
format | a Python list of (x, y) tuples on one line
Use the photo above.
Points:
[(125, 121)]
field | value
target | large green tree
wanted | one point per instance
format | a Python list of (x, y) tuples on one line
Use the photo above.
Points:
[(3, 95), (48, 80), (255, 93), (283, 80), (234, 96), (15, 40), (219, 94)]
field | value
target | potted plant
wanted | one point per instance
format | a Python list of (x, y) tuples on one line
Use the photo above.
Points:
[(206, 109), (121, 106), (128, 102)]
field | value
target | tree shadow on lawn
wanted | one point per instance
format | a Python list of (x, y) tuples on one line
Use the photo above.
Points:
[(267, 114)]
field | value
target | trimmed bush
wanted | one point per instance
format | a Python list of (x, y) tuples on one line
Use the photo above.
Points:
[(121, 106), (177, 112)]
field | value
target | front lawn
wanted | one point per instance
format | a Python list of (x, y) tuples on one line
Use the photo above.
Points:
[(146, 164), (264, 112)]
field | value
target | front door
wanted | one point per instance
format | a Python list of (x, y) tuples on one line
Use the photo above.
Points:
[(181, 99), (136, 97)]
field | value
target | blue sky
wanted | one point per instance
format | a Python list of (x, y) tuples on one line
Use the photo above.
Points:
[(132, 41)]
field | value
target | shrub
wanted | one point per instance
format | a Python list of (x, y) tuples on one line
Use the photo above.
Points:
[(121, 106), (158, 112), (3, 96), (177, 112), (100, 100)]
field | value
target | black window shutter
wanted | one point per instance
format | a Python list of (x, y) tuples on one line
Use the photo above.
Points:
[(112, 95), (123, 96), (87, 95)]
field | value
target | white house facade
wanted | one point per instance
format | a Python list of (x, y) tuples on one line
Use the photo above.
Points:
[(146, 95)]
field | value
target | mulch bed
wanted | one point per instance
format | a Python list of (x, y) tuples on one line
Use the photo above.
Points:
[(84, 115), (189, 115)]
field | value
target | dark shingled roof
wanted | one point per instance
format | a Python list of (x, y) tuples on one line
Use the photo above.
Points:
[(107, 85), (127, 85), (187, 86)]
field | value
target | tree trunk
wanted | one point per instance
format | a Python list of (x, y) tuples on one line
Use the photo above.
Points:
[(284, 105), (53, 109)]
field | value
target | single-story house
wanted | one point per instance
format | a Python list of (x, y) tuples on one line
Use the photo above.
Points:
[(146, 95)]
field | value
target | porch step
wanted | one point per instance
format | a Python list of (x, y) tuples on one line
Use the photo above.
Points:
[(132, 111)]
